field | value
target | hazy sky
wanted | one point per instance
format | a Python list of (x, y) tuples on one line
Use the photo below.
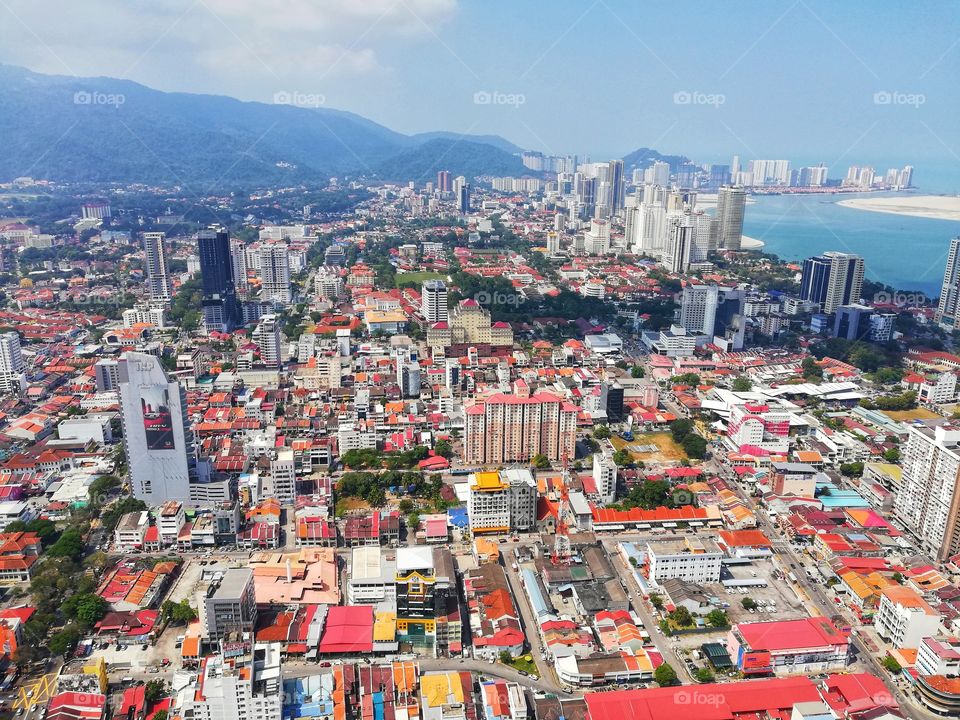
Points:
[(838, 82)]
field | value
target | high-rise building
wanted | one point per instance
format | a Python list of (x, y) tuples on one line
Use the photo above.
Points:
[(275, 273), (433, 301), (12, 367), (812, 176), (238, 255), (221, 311), (463, 198), (327, 284), (408, 376), (159, 288), (617, 186), (832, 279), (731, 204), (504, 428), (267, 337), (714, 311), (676, 257), (107, 375), (927, 502), (425, 587), (444, 182), (948, 309), (553, 241), (770, 172), (156, 432), (229, 606), (657, 174)]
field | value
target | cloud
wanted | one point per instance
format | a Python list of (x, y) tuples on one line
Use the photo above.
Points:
[(238, 46)]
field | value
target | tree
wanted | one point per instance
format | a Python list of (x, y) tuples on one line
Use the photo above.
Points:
[(443, 448), (703, 675), (665, 675), (70, 544), (748, 603), (540, 462), (890, 663), (718, 618), (406, 506), (681, 617), (180, 612), (413, 521), (656, 600), (637, 371), (160, 715), (897, 577), (86, 608), (854, 469), (741, 384), (505, 657), (694, 446), (622, 457), (65, 640), (892, 455), (810, 370), (601, 432), (154, 691), (679, 429)]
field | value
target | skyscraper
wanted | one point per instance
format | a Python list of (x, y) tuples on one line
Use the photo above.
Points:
[(221, 311), (238, 255), (12, 367), (832, 279), (156, 433), (731, 203), (275, 273), (267, 337), (463, 198), (433, 301), (444, 183), (948, 311), (679, 244), (617, 186), (159, 289)]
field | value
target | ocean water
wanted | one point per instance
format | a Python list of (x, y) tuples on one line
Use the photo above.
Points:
[(907, 253)]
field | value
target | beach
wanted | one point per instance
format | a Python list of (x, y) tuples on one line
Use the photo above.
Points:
[(937, 207), (749, 243)]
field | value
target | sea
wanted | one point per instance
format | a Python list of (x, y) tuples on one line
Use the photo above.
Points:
[(906, 253)]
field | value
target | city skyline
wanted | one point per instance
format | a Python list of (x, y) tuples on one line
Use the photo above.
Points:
[(739, 83)]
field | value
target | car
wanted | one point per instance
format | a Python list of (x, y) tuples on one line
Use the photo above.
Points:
[(524, 673), (534, 677)]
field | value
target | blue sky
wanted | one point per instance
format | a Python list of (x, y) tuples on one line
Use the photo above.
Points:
[(838, 82)]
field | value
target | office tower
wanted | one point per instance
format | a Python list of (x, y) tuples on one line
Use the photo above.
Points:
[(852, 322), (12, 367), (514, 427), (704, 236), (159, 288), (927, 500), (731, 203), (267, 337), (832, 279), (463, 199), (238, 257), (433, 301), (275, 274), (617, 186), (444, 181), (221, 311), (698, 309), (948, 310), (229, 607), (156, 432)]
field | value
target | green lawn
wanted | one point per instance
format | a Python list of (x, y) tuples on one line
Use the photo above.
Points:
[(524, 663), (418, 277)]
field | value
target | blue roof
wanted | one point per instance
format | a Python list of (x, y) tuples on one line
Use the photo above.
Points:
[(458, 517)]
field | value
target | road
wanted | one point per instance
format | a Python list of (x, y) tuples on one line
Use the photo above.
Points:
[(823, 604)]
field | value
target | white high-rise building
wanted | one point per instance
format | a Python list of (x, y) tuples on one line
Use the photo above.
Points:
[(770, 172), (328, 285), (698, 311), (275, 273), (597, 239), (731, 203), (159, 288), (502, 501), (553, 241), (433, 301), (928, 498), (267, 337), (948, 310), (605, 473), (156, 432), (238, 256), (12, 367), (676, 258), (657, 174)]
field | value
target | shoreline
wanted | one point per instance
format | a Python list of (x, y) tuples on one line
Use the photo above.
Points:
[(933, 207), (749, 243)]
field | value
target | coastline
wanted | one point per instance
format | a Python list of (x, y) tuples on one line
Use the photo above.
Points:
[(749, 243), (935, 207)]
